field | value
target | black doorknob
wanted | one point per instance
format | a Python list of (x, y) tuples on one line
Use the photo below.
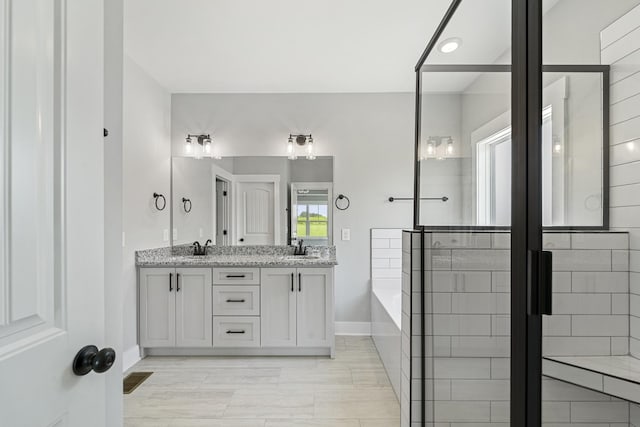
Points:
[(242, 240), (90, 359)]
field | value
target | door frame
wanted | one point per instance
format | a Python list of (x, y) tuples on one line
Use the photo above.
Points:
[(220, 173), (265, 179)]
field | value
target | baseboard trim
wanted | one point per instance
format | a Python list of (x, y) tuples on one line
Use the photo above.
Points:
[(353, 328), (130, 357)]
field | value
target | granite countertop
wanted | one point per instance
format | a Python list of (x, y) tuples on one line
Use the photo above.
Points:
[(237, 256)]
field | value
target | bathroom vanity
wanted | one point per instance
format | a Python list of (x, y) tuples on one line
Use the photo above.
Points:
[(248, 300)]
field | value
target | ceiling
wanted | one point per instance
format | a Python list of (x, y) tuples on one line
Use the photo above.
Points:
[(280, 46)]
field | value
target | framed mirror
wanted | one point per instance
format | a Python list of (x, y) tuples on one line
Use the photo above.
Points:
[(238, 201)]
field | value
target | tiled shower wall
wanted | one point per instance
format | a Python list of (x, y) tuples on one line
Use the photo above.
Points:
[(467, 319), (619, 49)]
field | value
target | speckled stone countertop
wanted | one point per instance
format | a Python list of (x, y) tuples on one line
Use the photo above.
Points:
[(237, 256)]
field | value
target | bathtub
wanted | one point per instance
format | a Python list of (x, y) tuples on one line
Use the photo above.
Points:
[(386, 315)]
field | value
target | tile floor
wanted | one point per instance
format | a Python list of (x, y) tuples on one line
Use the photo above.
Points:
[(350, 391)]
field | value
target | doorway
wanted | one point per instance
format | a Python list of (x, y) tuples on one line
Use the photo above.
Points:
[(222, 212)]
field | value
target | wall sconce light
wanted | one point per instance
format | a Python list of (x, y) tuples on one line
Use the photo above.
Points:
[(437, 147), (302, 141), (557, 145), (201, 147)]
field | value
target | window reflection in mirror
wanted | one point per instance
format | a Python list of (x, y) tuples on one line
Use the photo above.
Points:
[(311, 213)]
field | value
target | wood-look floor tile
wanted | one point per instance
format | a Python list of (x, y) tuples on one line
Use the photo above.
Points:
[(351, 390), (216, 423), (314, 423), (391, 422)]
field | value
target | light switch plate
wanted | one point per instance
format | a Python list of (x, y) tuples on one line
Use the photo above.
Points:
[(346, 234), (165, 235)]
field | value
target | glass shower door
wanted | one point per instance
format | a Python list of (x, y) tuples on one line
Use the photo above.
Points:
[(461, 288)]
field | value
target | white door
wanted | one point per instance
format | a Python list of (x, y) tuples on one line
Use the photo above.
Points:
[(278, 288), (158, 307), (193, 307), (256, 219), (315, 311), (52, 300)]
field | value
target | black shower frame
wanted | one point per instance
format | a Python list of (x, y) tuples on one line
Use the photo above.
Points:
[(526, 223), (603, 70)]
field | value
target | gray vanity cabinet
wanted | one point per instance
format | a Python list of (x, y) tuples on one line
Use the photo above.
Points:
[(297, 307), (175, 307)]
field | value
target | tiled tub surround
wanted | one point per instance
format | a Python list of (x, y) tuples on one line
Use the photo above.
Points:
[(386, 299), (467, 319), (237, 256)]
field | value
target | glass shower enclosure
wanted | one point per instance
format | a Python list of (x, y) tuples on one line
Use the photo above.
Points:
[(519, 296)]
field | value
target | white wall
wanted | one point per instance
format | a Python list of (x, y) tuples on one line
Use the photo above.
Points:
[(371, 137), (146, 165)]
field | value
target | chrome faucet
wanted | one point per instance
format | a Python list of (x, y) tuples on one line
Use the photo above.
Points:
[(301, 250)]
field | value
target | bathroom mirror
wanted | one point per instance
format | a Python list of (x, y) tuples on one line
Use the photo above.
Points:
[(251, 200)]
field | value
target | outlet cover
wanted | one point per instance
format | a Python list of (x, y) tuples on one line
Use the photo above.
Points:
[(346, 234)]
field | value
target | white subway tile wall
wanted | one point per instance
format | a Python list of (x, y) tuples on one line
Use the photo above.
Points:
[(386, 253), (619, 49), (467, 323)]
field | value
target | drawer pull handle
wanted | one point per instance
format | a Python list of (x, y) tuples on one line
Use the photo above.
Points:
[(235, 332), (236, 276), (235, 300)]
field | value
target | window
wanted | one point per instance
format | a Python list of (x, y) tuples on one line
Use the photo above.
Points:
[(311, 215)]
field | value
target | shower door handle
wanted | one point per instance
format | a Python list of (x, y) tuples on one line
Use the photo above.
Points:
[(540, 282)]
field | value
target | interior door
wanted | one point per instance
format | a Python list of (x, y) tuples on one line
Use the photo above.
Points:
[(51, 219), (256, 219), (222, 212)]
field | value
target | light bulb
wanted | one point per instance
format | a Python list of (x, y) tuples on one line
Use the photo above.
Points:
[(207, 146), (450, 147), (188, 149), (310, 154), (216, 153)]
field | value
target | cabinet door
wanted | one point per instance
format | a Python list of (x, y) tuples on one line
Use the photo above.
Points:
[(157, 307), (193, 307), (278, 307), (315, 307)]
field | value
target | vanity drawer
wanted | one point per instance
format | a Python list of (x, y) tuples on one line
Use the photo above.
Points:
[(236, 300), (236, 276), (236, 331)]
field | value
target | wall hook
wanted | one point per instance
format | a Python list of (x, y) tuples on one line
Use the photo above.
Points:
[(343, 207), (157, 198), (186, 202)]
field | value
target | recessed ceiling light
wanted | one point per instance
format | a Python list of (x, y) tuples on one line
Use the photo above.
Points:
[(450, 45)]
